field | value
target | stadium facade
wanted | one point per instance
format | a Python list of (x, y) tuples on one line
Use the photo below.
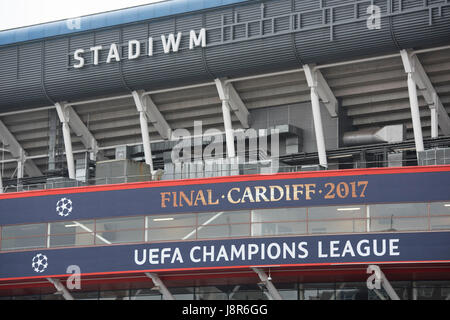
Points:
[(228, 149)]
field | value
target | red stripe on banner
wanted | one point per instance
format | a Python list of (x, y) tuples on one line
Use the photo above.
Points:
[(225, 268)]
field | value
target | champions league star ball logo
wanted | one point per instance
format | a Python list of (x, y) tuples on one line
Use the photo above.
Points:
[(39, 263), (64, 207)]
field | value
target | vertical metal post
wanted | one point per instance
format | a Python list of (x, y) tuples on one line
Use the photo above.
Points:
[(228, 128), (318, 127), (64, 118), (161, 286), (434, 123), (146, 140), (69, 152), (409, 66), (415, 113), (268, 283), (58, 285), (142, 109)]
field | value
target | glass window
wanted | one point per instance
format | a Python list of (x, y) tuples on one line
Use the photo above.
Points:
[(440, 223), (211, 293), (24, 243), (124, 236), (26, 230), (174, 220), (72, 240), (120, 230), (145, 294), (183, 233), (24, 237), (224, 217), (337, 226), (114, 295), (318, 291), (399, 224), (120, 224), (183, 293), (338, 212), (248, 292), (399, 210), (440, 208), (93, 295), (287, 214), (72, 234), (281, 228), (226, 231), (72, 227)]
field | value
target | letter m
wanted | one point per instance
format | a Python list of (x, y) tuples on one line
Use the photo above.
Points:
[(199, 40)]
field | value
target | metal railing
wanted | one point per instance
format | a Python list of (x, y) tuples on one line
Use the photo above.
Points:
[(239, 169)]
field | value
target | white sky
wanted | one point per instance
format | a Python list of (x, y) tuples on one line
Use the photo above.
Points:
[(19, 13)]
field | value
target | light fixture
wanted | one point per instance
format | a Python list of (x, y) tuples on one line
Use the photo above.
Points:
[(71, 225), (348, 209), (447, 205), (163, 219)]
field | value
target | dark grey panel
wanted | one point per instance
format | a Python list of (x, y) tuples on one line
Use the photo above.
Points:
[(248, 38)]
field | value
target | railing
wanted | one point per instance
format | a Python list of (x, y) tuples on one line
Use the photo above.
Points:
[(200, 169)]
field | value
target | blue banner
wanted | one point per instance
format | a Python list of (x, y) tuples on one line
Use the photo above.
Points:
[(277, 191), (282, 251)]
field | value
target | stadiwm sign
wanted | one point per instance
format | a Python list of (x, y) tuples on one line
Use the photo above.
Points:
[(170, 43)]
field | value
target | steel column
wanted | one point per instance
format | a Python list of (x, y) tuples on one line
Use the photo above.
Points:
[(64, 117), (161, 286), (415, 113), (59, 286), (268, 283), (229, 134)]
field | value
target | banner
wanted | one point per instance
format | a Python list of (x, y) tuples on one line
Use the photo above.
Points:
[(222, 194), (216, 254)]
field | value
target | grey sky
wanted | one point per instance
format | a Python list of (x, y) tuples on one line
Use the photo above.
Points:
[(19, 13)]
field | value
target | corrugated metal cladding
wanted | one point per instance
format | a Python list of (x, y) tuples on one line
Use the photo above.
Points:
[(247, 38)]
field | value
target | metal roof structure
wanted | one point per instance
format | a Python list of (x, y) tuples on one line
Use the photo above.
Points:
[(108, 19)]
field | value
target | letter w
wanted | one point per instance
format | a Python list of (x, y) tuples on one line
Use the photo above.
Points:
[(171, 42)]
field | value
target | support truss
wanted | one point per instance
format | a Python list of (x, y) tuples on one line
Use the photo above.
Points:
[(320, 89), (268, 283), (18, 153), (439, 115), (160, 286), (315, 79), (66, 113), (145, 104), (381, 278), (70, 120), (228, 93), (60, 287)]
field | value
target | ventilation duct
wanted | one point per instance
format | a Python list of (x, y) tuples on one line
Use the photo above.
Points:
[(387, 134)]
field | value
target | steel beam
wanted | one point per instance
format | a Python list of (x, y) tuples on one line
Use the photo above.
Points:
[(313, 83), (142, 109), (144, 103), (67, 114), (268, 283), (409, 65), (228, 92), (414, 67), (315, 78), (231, 101), (160, 285), (64, 117), (60, 287), (18, 153), (381, 278)]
